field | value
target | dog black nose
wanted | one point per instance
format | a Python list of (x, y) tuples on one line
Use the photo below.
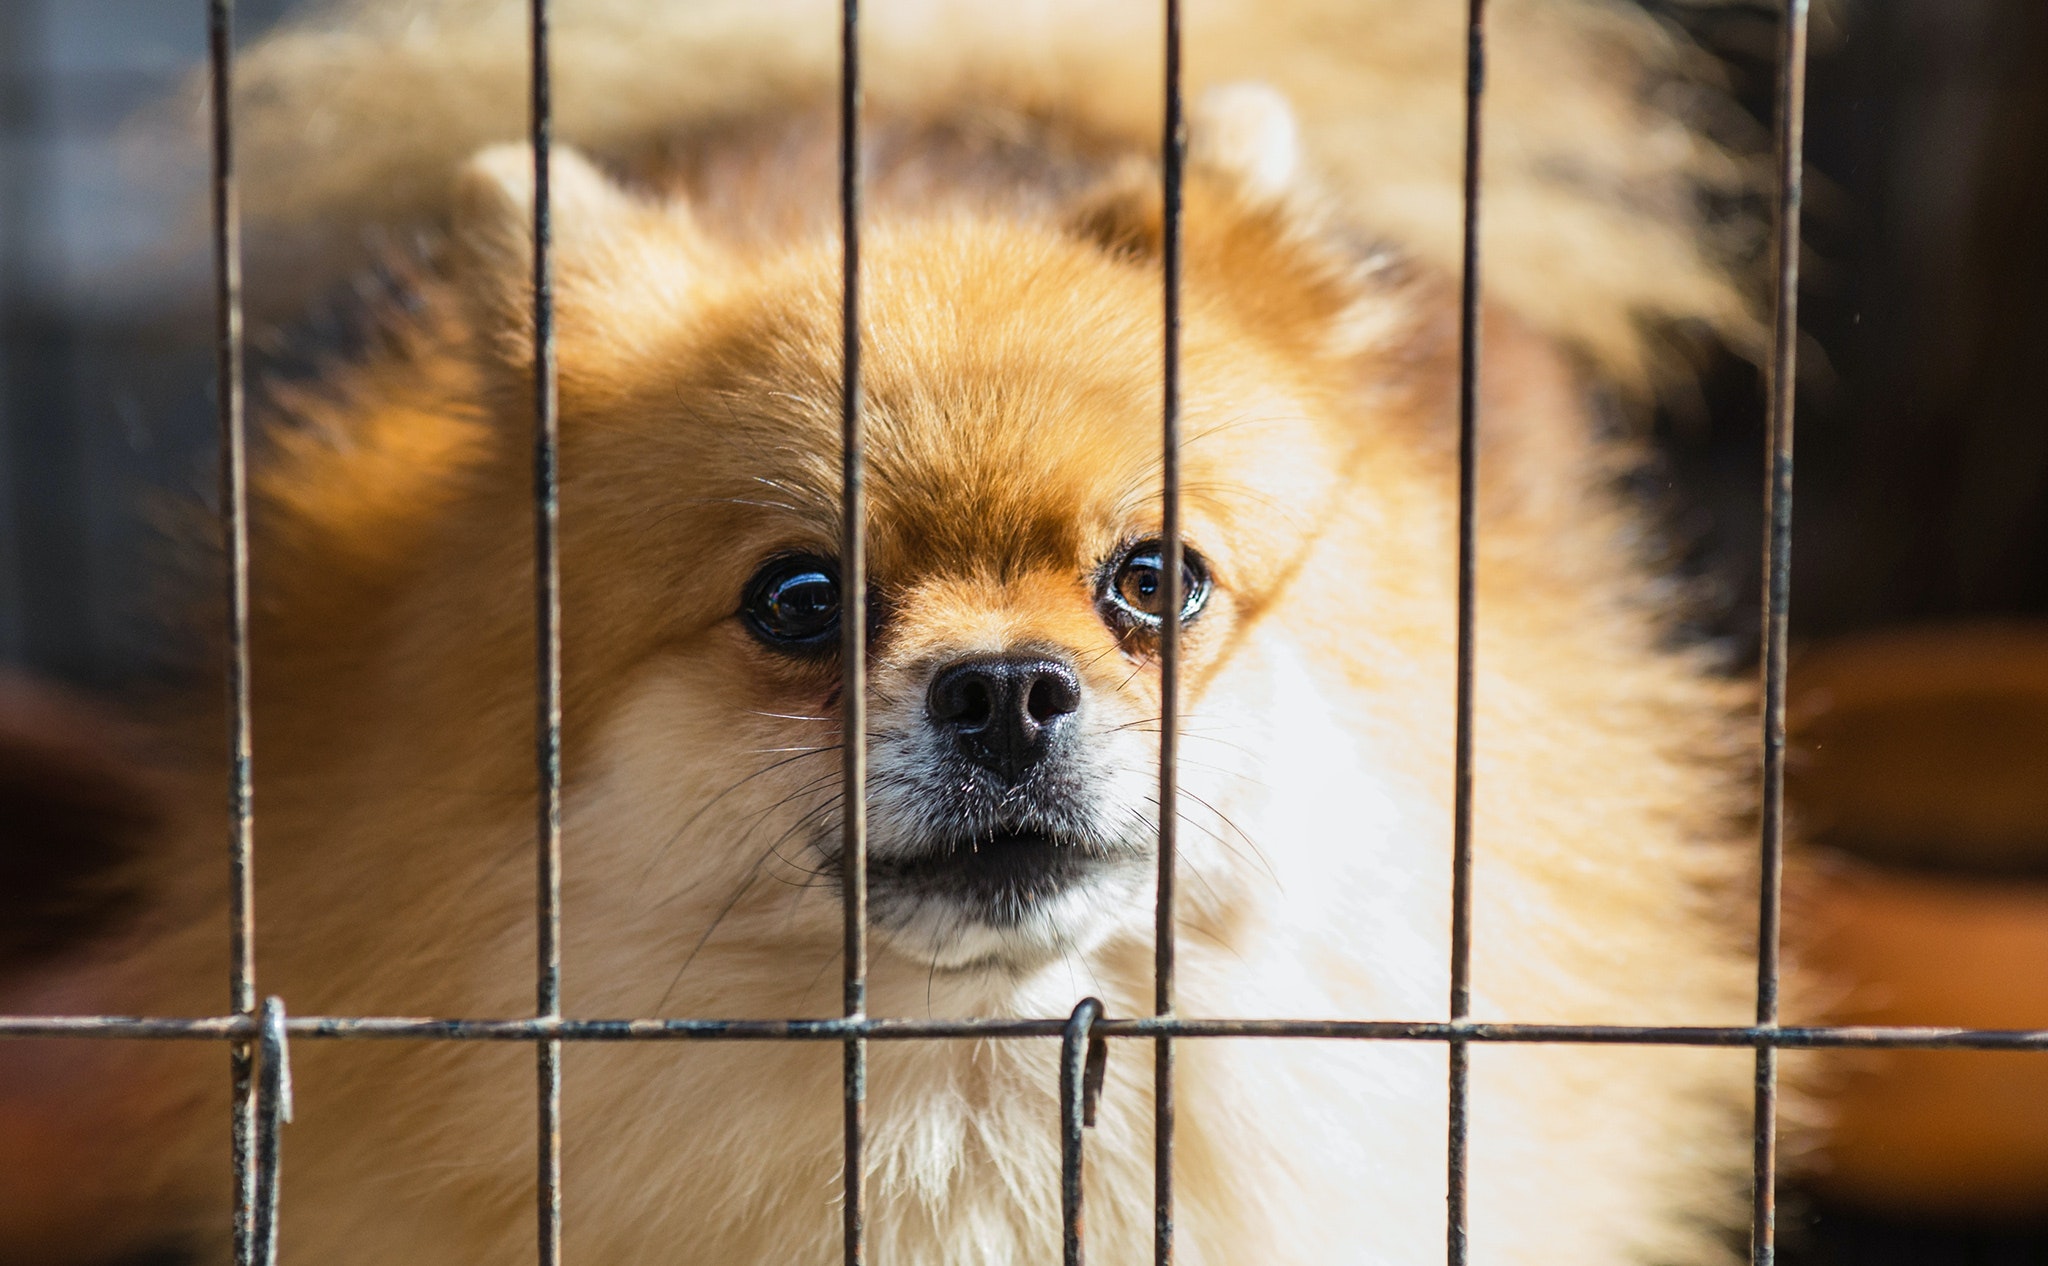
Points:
[(1004, 711)]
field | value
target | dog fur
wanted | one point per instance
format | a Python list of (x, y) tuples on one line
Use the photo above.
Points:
[(1011, 322)]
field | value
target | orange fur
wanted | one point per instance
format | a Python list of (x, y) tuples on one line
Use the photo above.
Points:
[(1011, 323)]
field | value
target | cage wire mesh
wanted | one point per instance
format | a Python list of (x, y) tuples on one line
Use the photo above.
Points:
[(257, 1034)]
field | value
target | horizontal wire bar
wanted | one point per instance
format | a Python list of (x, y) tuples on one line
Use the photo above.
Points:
[(837, 1029)]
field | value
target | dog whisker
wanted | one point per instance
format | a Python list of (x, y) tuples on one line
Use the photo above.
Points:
[(753, 872), (712, 803)]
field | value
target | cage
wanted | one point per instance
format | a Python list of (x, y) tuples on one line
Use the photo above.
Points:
[(258, 1032)]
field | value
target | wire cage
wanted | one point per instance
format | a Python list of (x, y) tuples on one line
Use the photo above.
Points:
[(257, 1033)]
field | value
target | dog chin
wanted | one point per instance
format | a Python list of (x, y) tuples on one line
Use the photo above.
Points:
[(951, 937), (1015, 928)]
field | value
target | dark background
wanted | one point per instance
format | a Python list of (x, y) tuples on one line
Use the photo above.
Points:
[(105, 385), (1923, 453), (1922, 442)]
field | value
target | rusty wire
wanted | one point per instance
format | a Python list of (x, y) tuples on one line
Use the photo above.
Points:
[(1173, 154), (274, 1094), (262, 1085), (1458, 1090), (853, 665), (234, 520), (547, 633), (1783, 387), (887, 1029), (1082, 1058)]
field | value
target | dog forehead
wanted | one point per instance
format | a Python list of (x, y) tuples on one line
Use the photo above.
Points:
[(1004, 419), (1012, 471), (1010, 398), (955, 486), (994, 516)]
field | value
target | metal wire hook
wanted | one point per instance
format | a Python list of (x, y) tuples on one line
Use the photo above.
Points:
[(1083, 1058), (273, 1111)]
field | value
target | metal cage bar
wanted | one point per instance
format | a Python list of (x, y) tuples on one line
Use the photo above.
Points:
[(1173, 153), (853, 567), (232, 1028), (262, 1102), (547, 669), (1783, 385), (1458, 1090), (234, 522)]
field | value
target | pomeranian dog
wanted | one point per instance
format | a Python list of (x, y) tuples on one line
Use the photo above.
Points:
[(1012, 332)]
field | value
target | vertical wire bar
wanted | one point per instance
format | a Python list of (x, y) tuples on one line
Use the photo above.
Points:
[(1078, 1050), (547, 601), (1791, 129), (1173, 161), (853, 566), (1459, 1088), (234, 505)]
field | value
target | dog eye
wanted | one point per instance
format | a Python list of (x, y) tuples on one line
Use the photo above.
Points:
[(1133, 590), (792, 604)]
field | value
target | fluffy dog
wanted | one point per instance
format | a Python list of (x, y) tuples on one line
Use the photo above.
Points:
[(1012, 330)]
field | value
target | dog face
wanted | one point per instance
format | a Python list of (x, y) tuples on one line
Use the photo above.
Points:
[(1012, 376)]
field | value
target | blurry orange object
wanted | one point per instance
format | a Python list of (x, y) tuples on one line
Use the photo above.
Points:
[(1925, 755), (1936, 1131)]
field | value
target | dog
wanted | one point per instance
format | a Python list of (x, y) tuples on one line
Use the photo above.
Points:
[(1012, 335)]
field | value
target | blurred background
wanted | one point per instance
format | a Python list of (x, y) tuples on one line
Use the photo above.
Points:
[(1920, 577), (105, 327)]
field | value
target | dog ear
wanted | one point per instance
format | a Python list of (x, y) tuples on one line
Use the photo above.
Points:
[(1244, 155), (613, 252), (1253, 229), (494, 197), (1246, 131)]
